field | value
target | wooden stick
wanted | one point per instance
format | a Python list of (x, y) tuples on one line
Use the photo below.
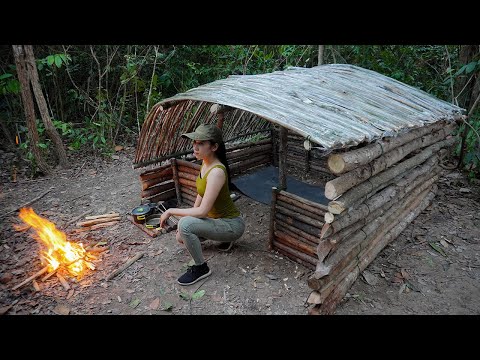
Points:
[(63, 281), (94, 217), (98, 221), (27, 203), (77, 218), (158, 188), (127, 264), (34, 276), (176, 177)]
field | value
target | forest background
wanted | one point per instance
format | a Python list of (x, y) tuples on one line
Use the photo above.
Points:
[(61, 99)]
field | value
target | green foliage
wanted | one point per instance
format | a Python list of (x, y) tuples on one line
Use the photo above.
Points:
[(96, 92)]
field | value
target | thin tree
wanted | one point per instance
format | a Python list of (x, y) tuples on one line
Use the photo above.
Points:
[(321, 48), (42, 107), (29, 107)]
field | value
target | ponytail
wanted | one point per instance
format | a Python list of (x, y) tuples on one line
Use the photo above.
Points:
[(222, 156)]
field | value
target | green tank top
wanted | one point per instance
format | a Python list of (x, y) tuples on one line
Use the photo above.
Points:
[(223, 207)]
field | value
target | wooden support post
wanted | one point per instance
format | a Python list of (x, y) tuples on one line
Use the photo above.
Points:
[(307, 160), (274, 147), (173, 161), (272, 218), (282, 160)]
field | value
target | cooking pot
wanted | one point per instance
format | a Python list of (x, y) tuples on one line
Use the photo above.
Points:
[(153, 221), (141, 212)]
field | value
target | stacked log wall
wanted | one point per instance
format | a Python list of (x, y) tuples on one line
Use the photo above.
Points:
[(241, 158), (157, 184), (306, 160), (295, 227), (384, 187)]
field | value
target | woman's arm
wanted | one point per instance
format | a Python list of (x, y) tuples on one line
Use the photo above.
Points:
[(198, 201), (216, 179)]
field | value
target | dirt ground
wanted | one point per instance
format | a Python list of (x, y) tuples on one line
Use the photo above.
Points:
[(433, 267)]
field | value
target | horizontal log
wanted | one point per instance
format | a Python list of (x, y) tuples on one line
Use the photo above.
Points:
[(300, 217), (152, 182), (189, 190), (188, 202), (285, 194), (158, 189), (252, 160), (188, 164), (188, 183), (386, 176), (188, 197), (166, 195), (249, 164), (366, 257), (341, 184), (187, 176), (340, 205), (353, 246), (293, 243), (301, 235), (309, 229), (385, 196), (266, 148), (156, 172), (297, 256), (188, 170), (340, 163), (247, 145), (300, 210)]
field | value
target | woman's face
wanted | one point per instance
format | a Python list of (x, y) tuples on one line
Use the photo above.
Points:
[(203, 149)]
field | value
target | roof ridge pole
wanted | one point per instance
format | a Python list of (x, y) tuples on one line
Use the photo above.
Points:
[(282, 159)]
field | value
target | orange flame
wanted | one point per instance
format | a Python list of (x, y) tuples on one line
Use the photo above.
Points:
[(59, 250)]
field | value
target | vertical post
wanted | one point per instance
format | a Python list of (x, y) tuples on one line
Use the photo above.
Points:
[(173, 161), (307, 161), (272, 218), (282, 160), (274, 146)]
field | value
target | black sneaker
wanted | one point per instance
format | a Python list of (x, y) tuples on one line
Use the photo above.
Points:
[(194, 274)]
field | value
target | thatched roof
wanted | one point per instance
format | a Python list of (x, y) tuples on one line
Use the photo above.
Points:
[(333, 105)]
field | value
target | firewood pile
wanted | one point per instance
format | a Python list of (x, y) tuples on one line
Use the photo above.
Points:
[(379, 189)]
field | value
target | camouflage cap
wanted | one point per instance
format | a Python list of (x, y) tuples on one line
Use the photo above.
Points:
[(206, 132)]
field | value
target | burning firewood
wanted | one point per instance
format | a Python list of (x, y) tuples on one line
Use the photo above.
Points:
[(60, 253)]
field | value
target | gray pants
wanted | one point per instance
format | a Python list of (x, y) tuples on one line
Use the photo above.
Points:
[(190, 229)]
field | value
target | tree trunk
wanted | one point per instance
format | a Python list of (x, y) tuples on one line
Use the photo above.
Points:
[(42, 106), (321, 49), (29, 107)]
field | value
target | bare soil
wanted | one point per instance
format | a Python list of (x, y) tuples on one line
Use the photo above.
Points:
[(433, 267)]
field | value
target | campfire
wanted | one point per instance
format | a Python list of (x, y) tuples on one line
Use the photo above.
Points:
[(58, 252)]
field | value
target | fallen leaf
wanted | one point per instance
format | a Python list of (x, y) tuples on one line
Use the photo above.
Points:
[(119, 299), (154, 304), (437, 248), (198, 294), (118, 148), (185, 296), (61, 309), (134, 303), (404, 273), (167, 306), (370, 278)]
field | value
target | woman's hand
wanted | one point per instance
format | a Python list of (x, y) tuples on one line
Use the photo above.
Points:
[(164, 218)]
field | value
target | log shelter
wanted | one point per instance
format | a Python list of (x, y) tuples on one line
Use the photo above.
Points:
[(375, 142)]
